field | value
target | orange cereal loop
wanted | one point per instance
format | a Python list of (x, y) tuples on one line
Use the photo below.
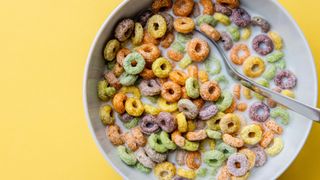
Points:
[(130, 141), (271, 103), (272, 125), (175, 55), (232, 141), (117, 70), (184, 25), (230, 3), (267, 138), (223, 173), (232, 107), (178, 139), (198, 49), (167, 40), (147, 74), (183, 7), (158, 5), (210, 91), (237, 91), (196, 135), (118, 102), (208, 7), (193, 160), (171, 91), (149, 52), (178, 76), (122, 53), (203, 76), (184, 94), (147, 38), (193, 71), (242, 107), (235, 51), (210, 31), (162, 80), (199, 103), (114, 134), (137, 134)]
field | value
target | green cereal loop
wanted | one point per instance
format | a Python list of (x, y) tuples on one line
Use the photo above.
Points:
[(282, 113), (185, 62), (192, 87), (246, 33), (142, 168), (190, 146), (224, 101), (214, 158), (270, 72), (213, 134), (156, 144), (126, 155), (128, 79), (263, 83), (202, 172), (153, 99), (102, 86), (137, 37), (184, 38), (111, 64), (212, 66), (134, 57), (111, 49), (161, 26), (166, 141), (281, 64), (131, 124), (213, 123), (234, 32), (161, 67), (221, 18), (226, 149), (110, 91), (206, 19), (274, 57), (222, 80), (177, 46)]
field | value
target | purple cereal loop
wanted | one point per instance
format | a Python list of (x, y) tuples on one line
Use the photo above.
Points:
[(240, 159), (189, 109), (261, 156), (126, 117), (262, 23), (241, 17), (181, 157), (144, 16), (260, 40), (255, 116), (285, 80), (200, 125), (124, 30), (155, 156), (166, 121), (226, 41), (149, 87), (208, 112), (149, 125), (223, 9)]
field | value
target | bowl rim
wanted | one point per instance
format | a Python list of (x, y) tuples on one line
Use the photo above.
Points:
[(104, 25)]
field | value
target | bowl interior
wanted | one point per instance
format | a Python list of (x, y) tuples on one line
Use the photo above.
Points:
[(297, 55)]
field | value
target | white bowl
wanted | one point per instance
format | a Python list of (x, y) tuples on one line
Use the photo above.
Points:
[(298, 56)]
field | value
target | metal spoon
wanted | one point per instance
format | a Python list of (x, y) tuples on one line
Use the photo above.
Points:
[(296, 106)]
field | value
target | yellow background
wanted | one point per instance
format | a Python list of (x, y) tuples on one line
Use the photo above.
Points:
[(43, 50)]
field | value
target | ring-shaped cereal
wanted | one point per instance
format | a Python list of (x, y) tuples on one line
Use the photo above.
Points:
[(208, 7), (214, 122), (251, 156), (175, 55), (230, 3), (182, 122), (166, 106), (161, 67), (203, 76), (134, 91), (188, 174), (197, 135), (267, 138), (230, 123), (166, 141), (134, 63), (224, 101), (144, 159), (183, 7), (232, 107), (134, 107), (189, 109), (131, 123), (171, 91), (262, 44), (238, 164), (151, 109), (150, 52), (130, 141), (165, 171), (213, 134), (207, 145), (117, 70), (142, 168), (167, 40), (106, 115), (148, 39), (232, 141), (181, 157), (126, 155), (137, 37), (272, 125), (210, 31), (184, 25), (234, 54), (191, 146), (221, 18), (192, 87), (259, 112), (127, 79), (193, 71), (147, 74), (208, 112), (156, 144), (251, 134), (178, 139), (226, 149), (276, 39), (285, 79), (276, 147), (157, 26), (198, 49), (111, 49), (155, 156), (214, 158), (281, 114), (210, 91), (178, 76), (124, 30), (167, 122), (150, 87), (114, 134), (121, 55), (139, 137), (118, 102), (253, 67), (149, 124)]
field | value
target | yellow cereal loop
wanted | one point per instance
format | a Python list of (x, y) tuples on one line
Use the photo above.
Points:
[(230, 123), (149, 109), (253, 66), (134, 107), (250, 155), (246, 33), (131, 90), (191, 125), (166, 106), (251, 134), (203, 76), (189, 174), (246, 93), (207, 145), (213, 123), (182, 122), (165, 171), (276, 39), (161, 67), (288, 93), (276, 147)]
